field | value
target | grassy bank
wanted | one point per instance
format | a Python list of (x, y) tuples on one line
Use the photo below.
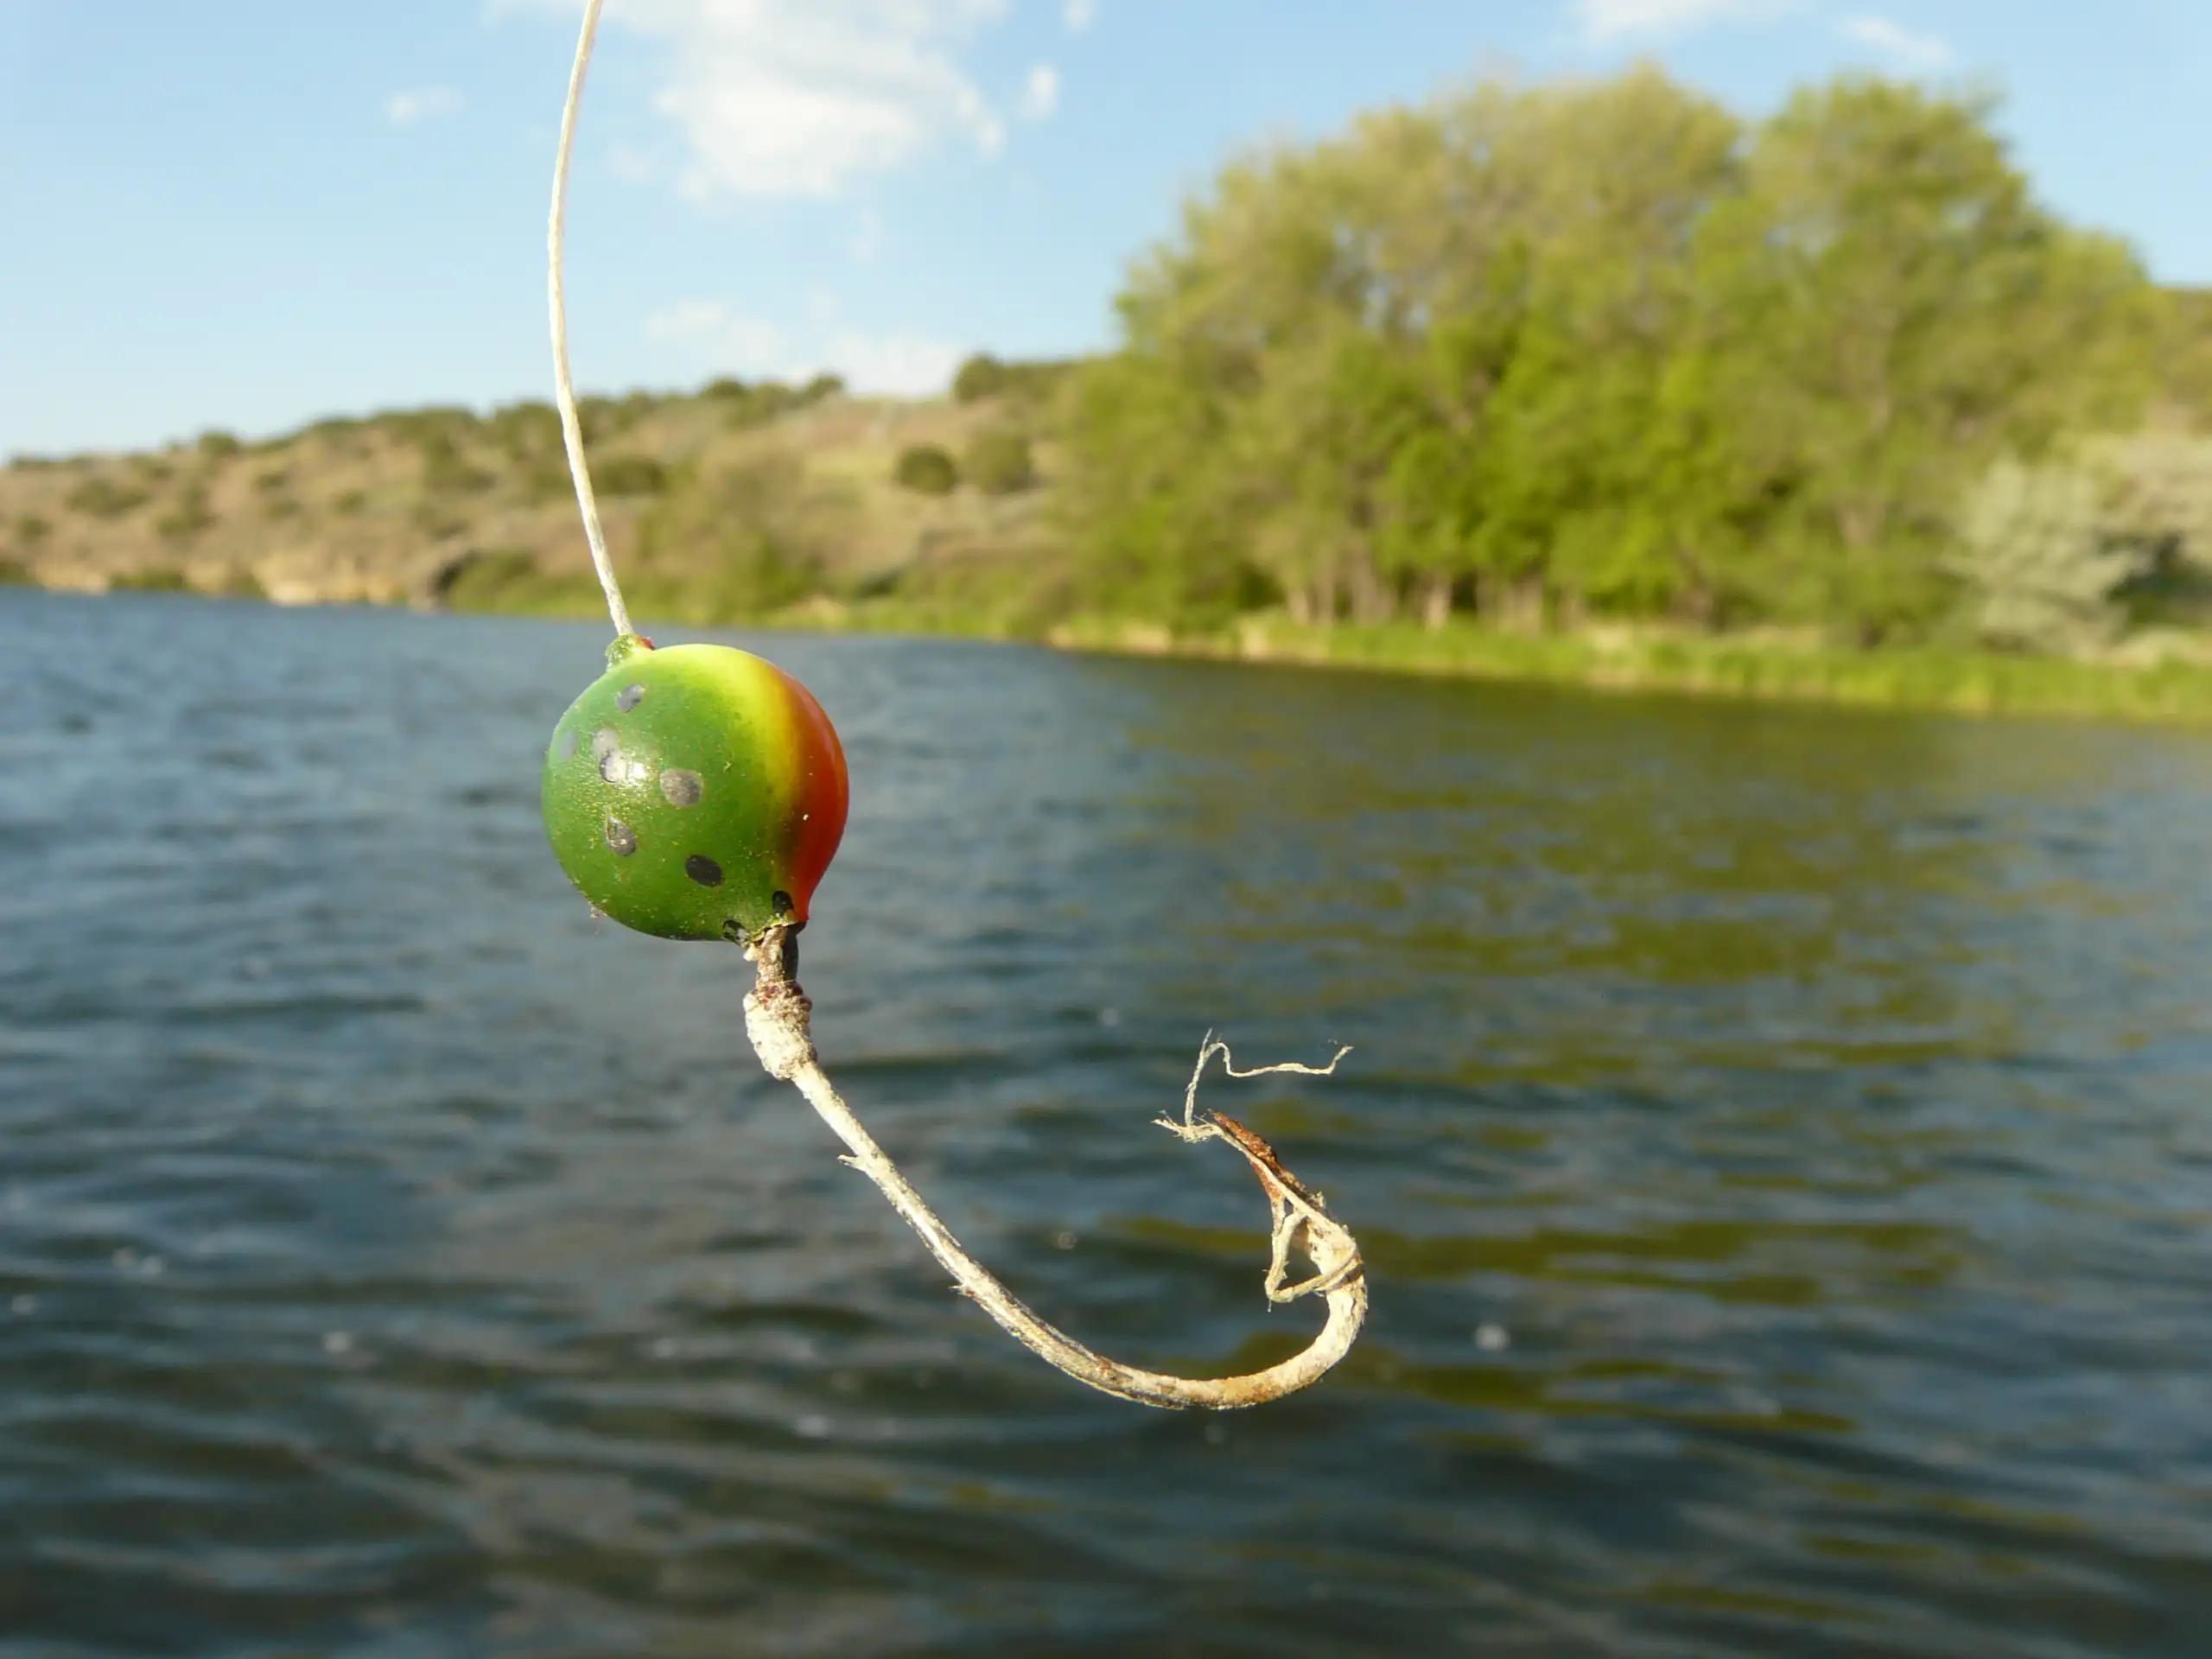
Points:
[(2173, 692), (1963, 682), (1956, 681)]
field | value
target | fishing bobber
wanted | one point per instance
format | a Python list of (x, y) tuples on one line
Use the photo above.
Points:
[(694, 792)]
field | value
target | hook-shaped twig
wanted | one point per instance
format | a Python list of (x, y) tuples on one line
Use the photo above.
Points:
[(776, 1018)]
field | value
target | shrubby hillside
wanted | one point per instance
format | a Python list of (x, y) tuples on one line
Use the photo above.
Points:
[(735, 502)]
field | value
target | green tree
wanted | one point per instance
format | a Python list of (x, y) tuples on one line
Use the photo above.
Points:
[(1593, 347), (446, 470), (1149, 507), (189, 515), (1411, 354), (629, 475), (926, 469), (102, 497), (2045, 569), (979, 377), (998, 462), (1589, 284), (2185, 354), (984, 376), (1253, 402), (1884, 310)]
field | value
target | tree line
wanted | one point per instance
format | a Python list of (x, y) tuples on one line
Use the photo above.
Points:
[(1602, 348)]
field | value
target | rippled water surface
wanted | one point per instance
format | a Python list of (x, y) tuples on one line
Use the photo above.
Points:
[(1781, 1141)]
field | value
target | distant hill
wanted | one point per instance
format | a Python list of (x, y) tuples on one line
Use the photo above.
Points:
[(733, 503)]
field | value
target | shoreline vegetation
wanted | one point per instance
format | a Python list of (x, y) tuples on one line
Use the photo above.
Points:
[(1582, 382), (2167, 691), (2152, 689), (2162, 677), (2167, 682)]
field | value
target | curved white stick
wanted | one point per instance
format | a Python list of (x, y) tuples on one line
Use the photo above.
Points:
[(776, 1018)]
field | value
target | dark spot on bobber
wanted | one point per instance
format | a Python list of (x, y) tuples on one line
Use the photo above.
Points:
[(682, 788), (622, 838), (780, 902), (567, 745), (703, 870), (630, 696), (608, 747)]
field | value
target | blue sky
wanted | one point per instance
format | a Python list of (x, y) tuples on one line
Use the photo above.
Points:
[(249, 215)]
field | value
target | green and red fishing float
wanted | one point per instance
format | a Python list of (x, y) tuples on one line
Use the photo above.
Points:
[(695, 791)]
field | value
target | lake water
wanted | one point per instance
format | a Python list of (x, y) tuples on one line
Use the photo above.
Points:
[(1781, 1140)]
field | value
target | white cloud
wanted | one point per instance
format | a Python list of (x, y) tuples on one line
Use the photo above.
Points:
[(989, 132), (717, 336), (1040, 93), (776, 98), (709, 337), (1922, 53), (1603, 21), (893, 365), (1078, 15), (421, 103)]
